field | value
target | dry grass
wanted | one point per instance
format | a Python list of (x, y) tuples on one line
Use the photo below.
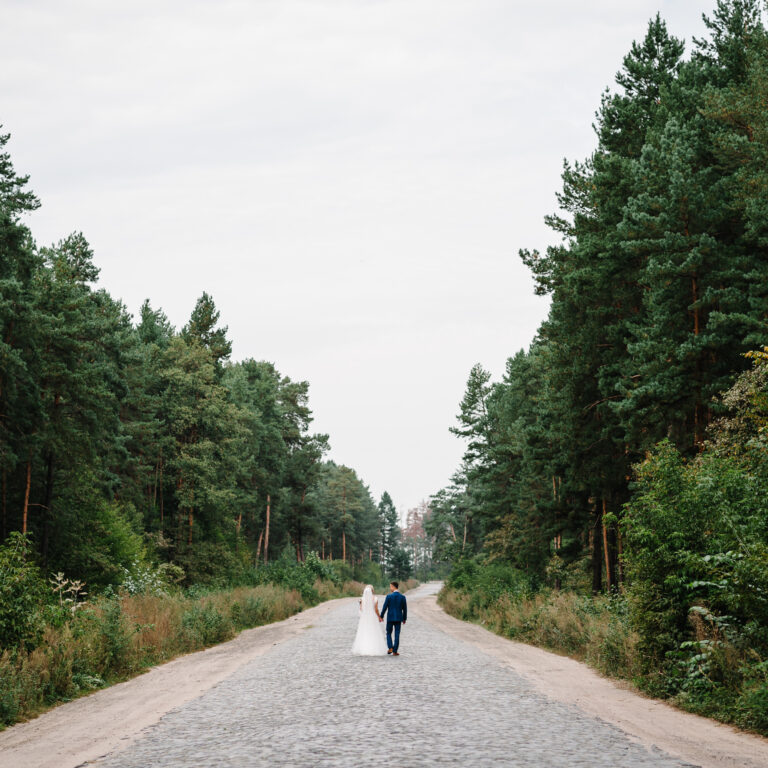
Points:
[(591, 629), (116, 638)]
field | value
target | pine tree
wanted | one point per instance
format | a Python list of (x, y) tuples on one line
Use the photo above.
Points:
[(389, 529)]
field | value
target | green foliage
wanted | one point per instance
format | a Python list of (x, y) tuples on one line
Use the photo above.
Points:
[(400, 567), (115, 631), (697, 559), (389, 529), (204, 626), (91, 537), (320, 569), (301, 576), (23, 594), (487, 582)]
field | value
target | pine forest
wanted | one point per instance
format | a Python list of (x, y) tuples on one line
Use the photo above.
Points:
[(612, 499)]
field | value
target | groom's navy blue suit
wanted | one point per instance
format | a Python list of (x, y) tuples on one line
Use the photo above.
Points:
[(398, 614)]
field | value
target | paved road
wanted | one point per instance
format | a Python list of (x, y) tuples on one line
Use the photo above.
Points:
[(309, 702)]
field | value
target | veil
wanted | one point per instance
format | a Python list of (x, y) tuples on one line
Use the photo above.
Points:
[(366, 606)]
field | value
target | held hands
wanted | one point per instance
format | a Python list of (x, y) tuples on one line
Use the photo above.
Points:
[(381, 620)]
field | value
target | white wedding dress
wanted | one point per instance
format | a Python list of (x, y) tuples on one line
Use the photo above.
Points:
[(369, 640)]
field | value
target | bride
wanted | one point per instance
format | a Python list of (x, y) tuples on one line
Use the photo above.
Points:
[(369, 640)]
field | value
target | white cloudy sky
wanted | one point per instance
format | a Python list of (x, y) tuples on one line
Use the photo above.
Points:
[(350, 179)]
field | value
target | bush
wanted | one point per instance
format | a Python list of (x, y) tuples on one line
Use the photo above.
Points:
[(92, 538), (486, 582), (23, 594), (146, 579), (321, 569), (203, 625)]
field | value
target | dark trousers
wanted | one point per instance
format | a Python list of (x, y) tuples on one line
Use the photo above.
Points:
[(396, 626)]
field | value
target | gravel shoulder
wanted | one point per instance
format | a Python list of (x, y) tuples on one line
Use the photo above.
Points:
[(696, 740), (85, 729)]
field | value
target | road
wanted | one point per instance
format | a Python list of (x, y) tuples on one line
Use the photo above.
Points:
[(309, 702)]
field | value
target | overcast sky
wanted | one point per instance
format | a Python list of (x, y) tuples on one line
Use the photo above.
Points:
[(350, 179)]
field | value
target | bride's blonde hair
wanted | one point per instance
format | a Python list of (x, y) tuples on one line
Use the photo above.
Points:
[(371, 586)]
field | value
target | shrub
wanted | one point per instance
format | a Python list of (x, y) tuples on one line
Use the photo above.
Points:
[(93, 538), (23, 594), (204, 625)]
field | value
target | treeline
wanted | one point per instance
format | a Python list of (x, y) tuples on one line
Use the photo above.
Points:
[(658, 289), (123, 443), (626, 451)]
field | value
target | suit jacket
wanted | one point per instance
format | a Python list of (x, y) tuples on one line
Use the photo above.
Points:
[(397, 606)]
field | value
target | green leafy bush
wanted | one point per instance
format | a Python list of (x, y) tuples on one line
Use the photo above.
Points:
[(204, 625), (91, 537), (486, 582), (23, 594)]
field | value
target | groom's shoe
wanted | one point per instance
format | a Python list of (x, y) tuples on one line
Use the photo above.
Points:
[(389, 650), (395, 653)]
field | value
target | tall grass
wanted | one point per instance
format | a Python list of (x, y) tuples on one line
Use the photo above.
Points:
[(114, 638), (590, 629)]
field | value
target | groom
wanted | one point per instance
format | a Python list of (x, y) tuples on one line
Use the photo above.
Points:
[(398, 613)]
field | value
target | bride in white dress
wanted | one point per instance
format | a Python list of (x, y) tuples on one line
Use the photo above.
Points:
[(369, 640)]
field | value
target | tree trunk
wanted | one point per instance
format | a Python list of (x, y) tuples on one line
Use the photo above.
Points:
[(191, 520), (5, 507), (299, 540), (322, 549), (695, 296), (464, 540), (179, 511), (157, 480), (606, 550), (162, 511), (343, 545), (698, 409), (698, 426), (258, 546), (47, 511), (597, 557), (266, 531), (620, 547), (26, 496)]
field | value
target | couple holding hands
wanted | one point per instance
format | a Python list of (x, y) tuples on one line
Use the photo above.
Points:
[(369, 640)]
